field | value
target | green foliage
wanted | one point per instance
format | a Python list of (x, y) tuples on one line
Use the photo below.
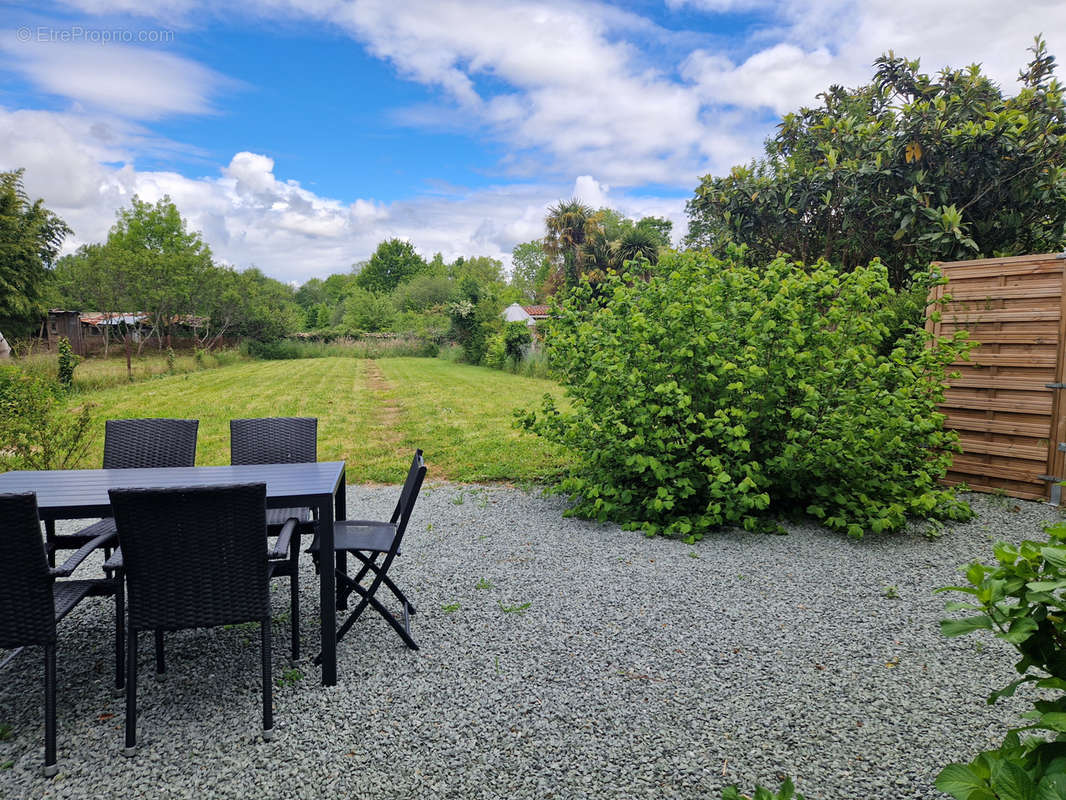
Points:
[(530, 267), (909, 169), (30, 238), (423, 292), (166, 266), (495, 352), (786, 792), (36, 430), (67, 362), (720, 394), (366, 311), (516, 338), (582, 242), (475, 318), (1017, 770), (1019, 598), (566, 233), (394, 262)]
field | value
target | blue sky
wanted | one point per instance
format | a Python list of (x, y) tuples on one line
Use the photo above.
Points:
[(297, 135)]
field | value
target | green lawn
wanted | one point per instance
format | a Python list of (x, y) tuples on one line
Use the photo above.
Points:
[(371, 414)]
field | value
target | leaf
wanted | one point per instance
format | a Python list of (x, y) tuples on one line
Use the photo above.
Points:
[(960, 627), (1051, 787), (1010, 782), (962, 783)]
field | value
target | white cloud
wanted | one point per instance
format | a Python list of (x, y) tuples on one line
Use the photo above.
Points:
[(134, 82), (249, 216), (591, 192)]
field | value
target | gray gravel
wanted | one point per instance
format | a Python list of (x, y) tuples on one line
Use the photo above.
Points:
[(582, 662)]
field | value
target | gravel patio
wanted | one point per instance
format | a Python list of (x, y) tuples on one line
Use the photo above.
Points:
[(563, 659)]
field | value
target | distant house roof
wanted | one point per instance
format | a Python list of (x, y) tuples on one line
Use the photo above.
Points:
[(128, 318), (537, 312), (96, 319)]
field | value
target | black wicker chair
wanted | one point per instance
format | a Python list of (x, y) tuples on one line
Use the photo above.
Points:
[(368, 541), (280, 440), (131, 443), (194, 558), (32, 601)]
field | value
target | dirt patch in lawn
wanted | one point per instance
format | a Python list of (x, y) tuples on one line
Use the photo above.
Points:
[(387, 411)]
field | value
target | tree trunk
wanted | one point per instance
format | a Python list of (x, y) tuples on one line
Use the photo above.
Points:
[(129, 364)]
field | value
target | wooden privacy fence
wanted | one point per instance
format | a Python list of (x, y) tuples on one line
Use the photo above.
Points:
[(1008, 402)]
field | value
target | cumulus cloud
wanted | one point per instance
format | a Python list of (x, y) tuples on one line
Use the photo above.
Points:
[(591, 192)]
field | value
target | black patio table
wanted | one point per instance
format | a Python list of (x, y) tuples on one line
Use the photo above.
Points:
[(82, 493)]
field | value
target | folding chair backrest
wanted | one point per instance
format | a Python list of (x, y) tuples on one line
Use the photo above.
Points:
[(194, 557), (130, 443), (417, 463), (27, 611), (273, 440), (408, 496)]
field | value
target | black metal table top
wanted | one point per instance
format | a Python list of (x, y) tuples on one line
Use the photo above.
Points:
[(73, 493)]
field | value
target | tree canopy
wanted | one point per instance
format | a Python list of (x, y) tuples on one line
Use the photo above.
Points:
[(30, 238), (909, 169), (394, 262)]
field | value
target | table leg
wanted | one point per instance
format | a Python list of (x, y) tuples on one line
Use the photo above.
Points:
[(327, 591), (50, 539)]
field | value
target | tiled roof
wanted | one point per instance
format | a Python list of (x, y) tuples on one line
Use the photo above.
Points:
[(536, 311)]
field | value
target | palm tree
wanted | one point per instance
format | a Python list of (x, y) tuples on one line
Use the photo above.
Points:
[(566, 224), (637, 242), (598, 254)]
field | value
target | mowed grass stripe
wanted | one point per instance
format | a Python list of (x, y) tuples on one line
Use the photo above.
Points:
[(460, 415)]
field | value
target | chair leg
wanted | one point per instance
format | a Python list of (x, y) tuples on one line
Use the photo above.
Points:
[(268, 689), (294, 599), (341, 560), (50, 767), (120, 635), (370, 563), (131, 693), (160, 657)]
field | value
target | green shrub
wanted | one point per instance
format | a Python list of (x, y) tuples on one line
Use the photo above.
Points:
[(36, 430), (516, 338), (67, 362), (721, 394), (1019, 599), (496, 352)]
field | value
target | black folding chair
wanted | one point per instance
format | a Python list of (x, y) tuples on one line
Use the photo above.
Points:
[(280, 440), (368, 541), (132, 443), (32, 601), (194, 558)]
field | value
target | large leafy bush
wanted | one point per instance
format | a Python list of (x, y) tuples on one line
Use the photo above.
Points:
[(717, 393)]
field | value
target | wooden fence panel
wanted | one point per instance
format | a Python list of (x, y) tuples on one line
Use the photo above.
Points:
[(1009, 420)]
